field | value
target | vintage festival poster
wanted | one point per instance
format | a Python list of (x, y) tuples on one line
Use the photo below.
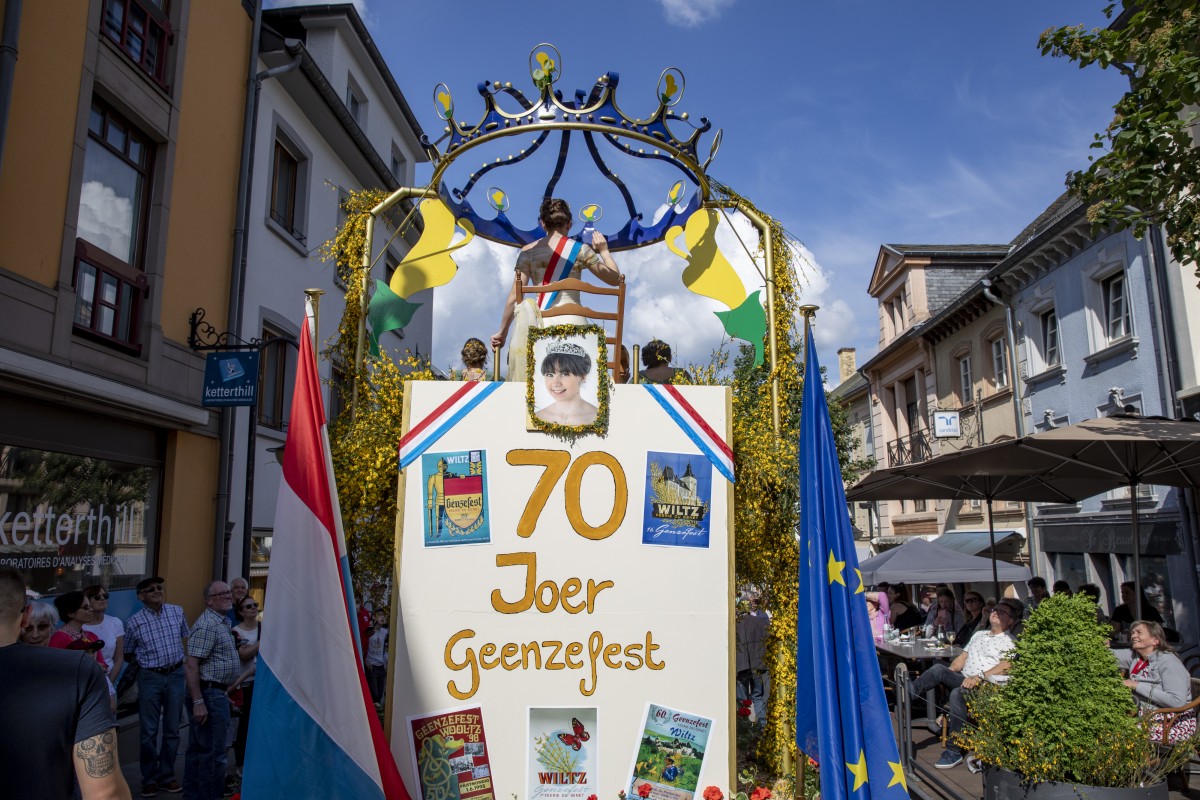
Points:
[(455, 492), (670, 753), (563, 753), (678, 500), (450, 756)]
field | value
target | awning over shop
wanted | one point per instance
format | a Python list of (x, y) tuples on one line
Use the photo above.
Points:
[(975, 543)]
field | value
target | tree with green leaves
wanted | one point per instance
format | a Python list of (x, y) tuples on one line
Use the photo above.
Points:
[(1150, 168)]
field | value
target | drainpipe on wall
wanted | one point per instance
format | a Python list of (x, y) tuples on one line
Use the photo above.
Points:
[(871, 425), (1170, 377), (1010, 336), (9, 36), (237, 284), (1172, 380)]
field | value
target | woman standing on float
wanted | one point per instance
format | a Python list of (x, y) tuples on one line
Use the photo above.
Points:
[(551, 258)]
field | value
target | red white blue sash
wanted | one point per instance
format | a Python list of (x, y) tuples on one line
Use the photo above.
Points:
[(562, 261)]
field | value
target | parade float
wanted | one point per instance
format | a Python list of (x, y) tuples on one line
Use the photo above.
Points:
[(562, 600)]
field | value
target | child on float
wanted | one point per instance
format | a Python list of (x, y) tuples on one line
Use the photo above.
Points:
[(474, 358)]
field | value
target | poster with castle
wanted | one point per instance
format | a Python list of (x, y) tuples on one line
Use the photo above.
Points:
[(678, 498)]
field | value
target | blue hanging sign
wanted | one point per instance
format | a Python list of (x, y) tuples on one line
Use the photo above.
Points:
[(231, 379)]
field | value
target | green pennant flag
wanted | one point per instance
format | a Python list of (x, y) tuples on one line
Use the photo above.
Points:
[(747, 322), (388, 311)]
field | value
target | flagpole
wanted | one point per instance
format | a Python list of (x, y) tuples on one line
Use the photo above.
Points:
[(314, 297), (808, 312)]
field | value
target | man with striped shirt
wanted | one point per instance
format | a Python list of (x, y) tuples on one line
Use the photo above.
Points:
[(155, 637), (212, 665)]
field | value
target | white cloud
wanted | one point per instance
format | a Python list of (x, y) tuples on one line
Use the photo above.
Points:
[(105, 218), (691, 13)]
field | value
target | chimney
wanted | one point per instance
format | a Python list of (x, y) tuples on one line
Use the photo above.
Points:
[(846, 365)]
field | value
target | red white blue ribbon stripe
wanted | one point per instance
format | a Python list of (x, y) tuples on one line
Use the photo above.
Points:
[(689, 420), (422, 435), (561, 262)]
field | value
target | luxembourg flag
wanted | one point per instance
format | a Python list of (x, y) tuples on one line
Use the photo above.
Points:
[(313, 729)]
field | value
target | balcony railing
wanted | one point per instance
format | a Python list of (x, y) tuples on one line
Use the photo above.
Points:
[(911, 449)]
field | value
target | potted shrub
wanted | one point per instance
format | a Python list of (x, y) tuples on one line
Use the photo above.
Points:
[(1064, 725)]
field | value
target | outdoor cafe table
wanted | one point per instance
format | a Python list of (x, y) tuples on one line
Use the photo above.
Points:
[(920, 651), (917, 650)]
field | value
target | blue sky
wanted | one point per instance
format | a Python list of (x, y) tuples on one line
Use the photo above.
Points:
[(854, 123)]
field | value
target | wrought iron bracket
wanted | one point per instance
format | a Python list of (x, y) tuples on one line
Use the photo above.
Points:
[(203, 337)]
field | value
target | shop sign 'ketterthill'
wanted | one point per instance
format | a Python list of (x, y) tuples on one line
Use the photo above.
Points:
[(231, 379)]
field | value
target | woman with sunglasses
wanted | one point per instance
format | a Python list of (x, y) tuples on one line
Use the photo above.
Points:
[(76, 611), (108, 629), (42, 621), (248, 632), (975, 620)]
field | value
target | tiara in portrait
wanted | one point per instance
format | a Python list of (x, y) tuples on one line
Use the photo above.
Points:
[(565, 348)]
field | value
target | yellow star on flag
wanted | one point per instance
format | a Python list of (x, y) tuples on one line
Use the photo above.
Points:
[(897, 775), (859, 770), (835, 570), (861, 586)]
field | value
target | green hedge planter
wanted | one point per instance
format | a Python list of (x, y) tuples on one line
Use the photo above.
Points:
[(1000, 784)]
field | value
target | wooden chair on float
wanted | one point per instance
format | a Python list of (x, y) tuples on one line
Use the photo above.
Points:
[(575, 309)]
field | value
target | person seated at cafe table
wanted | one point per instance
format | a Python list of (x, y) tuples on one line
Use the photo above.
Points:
[(878, 611), (973, 618), (944, 613), (1037, 593), (904, 613), (985, 658), (1158, 678), (1124, 615)]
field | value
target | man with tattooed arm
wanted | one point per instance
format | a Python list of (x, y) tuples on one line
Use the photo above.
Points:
[(56, 727)]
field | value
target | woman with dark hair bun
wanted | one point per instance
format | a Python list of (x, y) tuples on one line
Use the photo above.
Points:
[(656, 363), (903, 612), (551, 258)]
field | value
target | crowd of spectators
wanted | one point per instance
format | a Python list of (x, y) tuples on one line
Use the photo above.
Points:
[(988, 631)]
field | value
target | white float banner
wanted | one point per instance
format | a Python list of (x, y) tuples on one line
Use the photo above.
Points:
[(538, 573)]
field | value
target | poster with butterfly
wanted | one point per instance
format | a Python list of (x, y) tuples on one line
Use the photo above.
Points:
[(563, 749)]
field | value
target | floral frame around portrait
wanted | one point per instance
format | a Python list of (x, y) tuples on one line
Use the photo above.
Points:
[(593, 341)]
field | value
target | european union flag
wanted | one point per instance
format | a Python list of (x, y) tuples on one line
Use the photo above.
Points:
[(842, 719)]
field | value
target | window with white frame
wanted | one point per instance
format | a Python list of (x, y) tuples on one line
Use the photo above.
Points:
[(274, 395), (999, 362), (287, 198), (356, 102), (1108, 297), (344, 269), (1116, 307), (1051, 354), (397, 164), (966, 381), (390, 264), (285, 190)]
